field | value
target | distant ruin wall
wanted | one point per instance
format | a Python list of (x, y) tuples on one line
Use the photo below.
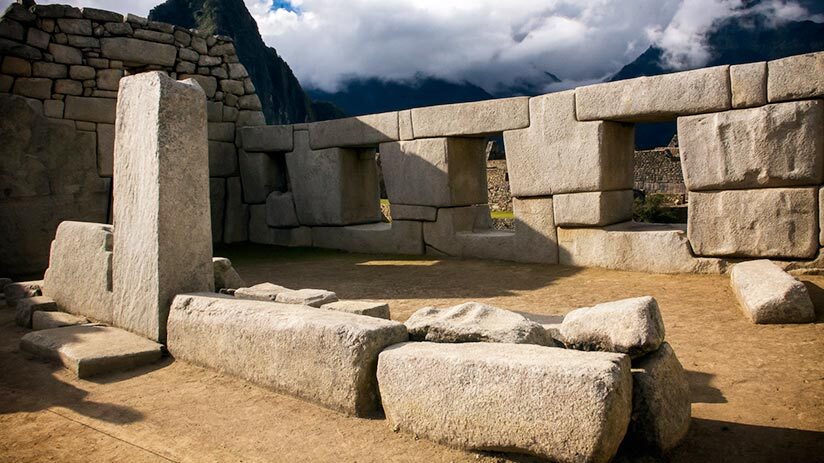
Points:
[(659, 171)]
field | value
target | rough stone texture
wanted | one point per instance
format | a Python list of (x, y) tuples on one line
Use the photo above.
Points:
[(629, 326), (473, 322), (261, 292), (397, 237), (796, 77), (657, 98), (536, 238), (268, 138), (47, 320), (768, 294), (333, 186), (772, 222), (162, 221), (257, 341), (81, 250), (14, 292), (770, 146), (217, 207), (222, 159), (651, 248), (661, 409), (597, 208), (280, 210), (105, 150), (90, 109), (261, 175), (749, 84), (360, 131), (365, 308), (438, 172), (88, 350), (406, 212), (558, 154), (236, 221), (471, 119), (225, 274), (442, 234), (405, 125), (29, 305), (138, 51), (510, 397), (311, 297)]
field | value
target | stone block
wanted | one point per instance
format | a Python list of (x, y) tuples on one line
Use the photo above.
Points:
[(795, 77), (14, 292), (82, 250), (658, 98), (651, 248), (68, 87), (50, 70), (359, 131), (471, 119), (261, 233), (397, 237), (268, 138), (207, 83), (262, 174), (438, 172), (161, 217), (769, 146), (26, 306), (311, 297), (53, 108), (16, 66), (225, 274), (105, 150), (138, 51), (33, 87), (280, 210), (65, 55), (223, 159), (217, 207), (261, 292), (236, 220), (509, 397), (558, 154), (333, 186), (91, 109), (768, 294), (405, 125), (13, 30), (222, 131), (473, 322), (75, 26), (257, 341), (365, 308), (772, 222), (109, 79), (536, 238), (37, 38), (749, 84), (48, 320), (78, 72), (101, 15), (597, 208), (88, 350), (441, 234), (406, 212)]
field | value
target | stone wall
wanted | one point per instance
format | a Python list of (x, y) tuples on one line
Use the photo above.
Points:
[(659, 171), (59, 78)]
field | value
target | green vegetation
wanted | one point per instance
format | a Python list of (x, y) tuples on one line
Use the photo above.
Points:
[(502, 214), (654, 208)]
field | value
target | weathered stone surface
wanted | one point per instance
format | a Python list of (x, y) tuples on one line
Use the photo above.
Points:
[(50, 70), (558, 154), (207, 83), (473, 322), (81, 250), (65, 55), (222, 131), (75, 26), (236, 221), (105, 150), (509, 397), (439, 172), (397, 237), (768, 294), (222, 159), (217, 207), (471, 119), (101, 15), (109, 79), (261, 292), (365, 308), (360, 131), (661, 409), (14, 292), (29, 305), (773, 145), (138, 51), (442, 233), (225, 275), (657, 98), (257, 341), (268, 138), (91, 109), (405, 125), (406, 212), (16, 66), (629, 326), (34, 87), (771, 222), (651, 248), (53, 108), (88, 350), (310, 297), (596, 208), (260, 232), (162, 221), (795, 77), (749, 84), (47, 320), (77, 72), (280, 210), (262, 174)]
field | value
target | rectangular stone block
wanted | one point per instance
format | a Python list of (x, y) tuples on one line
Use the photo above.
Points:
[(222, 159), (217, 207), (138, 51), (658, 98), (28, 306), (406, 212), (262, 174), (105, 150), (90, 109), (769, 146), (280, 210), (440, 172), (268, 138), (397, 237), (257, 341), (236, 226), (772, 222), (405, 125), (360, 131), (47, 320), (749, 84), (261, 233), (796, 77), (365, 308), (222, 131), (161, 214), (557, 154), (536, 238), (471, 119), (441, 234), (596, 208)]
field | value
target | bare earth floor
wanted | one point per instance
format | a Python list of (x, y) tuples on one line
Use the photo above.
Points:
[(757, 391)]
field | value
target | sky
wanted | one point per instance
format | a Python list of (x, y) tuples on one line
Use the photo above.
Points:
[(495, 44)]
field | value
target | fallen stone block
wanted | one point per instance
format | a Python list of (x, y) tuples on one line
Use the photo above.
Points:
[(406, 212), (311, 297), (29, 305), (768, 222), (89, 350), (656, 99), (795, 77), (261, 292), (768, 294), (471, 119), (769, 146), (258, 341), (629, 326), (359, 131), (509, 397), (749, 85), (47, 320), (661, 406), (13, 292), (280, 210), (596, 208), (397, 237), (225, 275), (268, 138), (473, 322), (366, 308)]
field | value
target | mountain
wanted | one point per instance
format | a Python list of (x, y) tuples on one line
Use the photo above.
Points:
[(280, 93)]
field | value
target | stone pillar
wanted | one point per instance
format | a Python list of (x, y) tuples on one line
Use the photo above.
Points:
[(163, 238)]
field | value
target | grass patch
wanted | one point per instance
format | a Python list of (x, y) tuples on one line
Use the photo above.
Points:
[(502, 214)]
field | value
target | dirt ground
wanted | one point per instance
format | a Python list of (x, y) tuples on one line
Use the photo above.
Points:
[(757, 391)]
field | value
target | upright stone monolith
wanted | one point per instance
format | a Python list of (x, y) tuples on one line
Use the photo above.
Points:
[(163, 238)]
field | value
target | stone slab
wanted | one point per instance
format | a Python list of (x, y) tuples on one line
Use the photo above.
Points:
[(311, 297), (365, 308), (138, 51), (596, 208), (749, 84), (13, 292), (796, 77), (767, 294), (471, 119), (359, 131), (473, 322), (47, 320), (397, 237), (261, 292), (268, 138), (407, 212), (27, 306)]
